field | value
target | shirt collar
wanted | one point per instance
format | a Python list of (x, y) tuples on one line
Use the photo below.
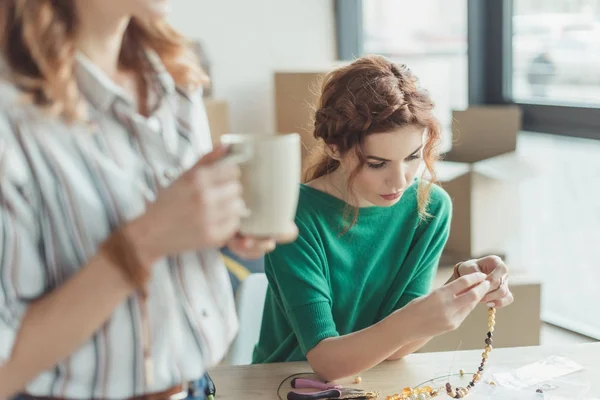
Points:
[(100, 90)]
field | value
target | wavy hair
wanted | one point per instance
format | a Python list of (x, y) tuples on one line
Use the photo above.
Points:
[(369, 96), (37, 40)]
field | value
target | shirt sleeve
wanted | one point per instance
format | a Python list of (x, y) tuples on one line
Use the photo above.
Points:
[(297, 276), (21, 269), (427, 249)]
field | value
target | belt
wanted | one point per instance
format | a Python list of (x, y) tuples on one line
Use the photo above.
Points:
[(178, 392)]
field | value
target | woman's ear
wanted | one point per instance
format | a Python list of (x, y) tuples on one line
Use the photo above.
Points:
[(333, 152)]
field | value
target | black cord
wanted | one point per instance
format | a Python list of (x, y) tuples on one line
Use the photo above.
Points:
[(290, 377)]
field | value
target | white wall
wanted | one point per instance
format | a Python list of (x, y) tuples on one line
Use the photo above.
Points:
[(247, 40)]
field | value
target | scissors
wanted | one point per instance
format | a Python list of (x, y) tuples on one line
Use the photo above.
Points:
[(326, 391)]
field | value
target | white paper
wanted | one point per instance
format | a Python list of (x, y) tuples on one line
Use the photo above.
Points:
[(536, 373)]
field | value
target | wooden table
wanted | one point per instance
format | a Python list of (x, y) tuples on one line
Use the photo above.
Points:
[(261, 381)]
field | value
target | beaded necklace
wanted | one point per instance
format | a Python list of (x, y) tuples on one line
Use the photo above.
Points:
[(427, 392)]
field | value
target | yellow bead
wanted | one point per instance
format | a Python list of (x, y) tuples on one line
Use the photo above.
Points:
[(357, 380), (491, 329), (484, 355), (407, 391), (492, 311), (492, 383), (462, 372), (488, 348), (476, 377)]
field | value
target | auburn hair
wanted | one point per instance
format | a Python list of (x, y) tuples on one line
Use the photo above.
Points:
[(371, 95), (37, 40)]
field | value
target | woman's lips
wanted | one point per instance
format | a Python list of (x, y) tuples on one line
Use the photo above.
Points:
[(391, 196)]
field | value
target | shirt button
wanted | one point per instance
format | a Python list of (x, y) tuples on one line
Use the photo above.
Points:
[(155, 125), (172, 173)]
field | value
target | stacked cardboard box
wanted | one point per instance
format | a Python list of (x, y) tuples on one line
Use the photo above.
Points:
[(482, 173), (296, 95), (217, 112)]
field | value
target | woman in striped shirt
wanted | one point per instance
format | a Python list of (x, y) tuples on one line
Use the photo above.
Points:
[(112, 206)]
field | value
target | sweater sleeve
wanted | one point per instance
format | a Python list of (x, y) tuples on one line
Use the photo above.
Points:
[(427, 249), (296, 273), (22, 270)]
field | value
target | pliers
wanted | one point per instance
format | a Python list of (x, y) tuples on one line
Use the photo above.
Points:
[(326, 391)]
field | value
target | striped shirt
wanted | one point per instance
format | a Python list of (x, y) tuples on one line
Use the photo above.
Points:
[(63, 189)]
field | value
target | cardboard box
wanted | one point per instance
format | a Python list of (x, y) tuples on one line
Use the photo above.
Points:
[(486, 205), (483, 132), (519, 324), (485, 212), (296, 95), (217, 112)]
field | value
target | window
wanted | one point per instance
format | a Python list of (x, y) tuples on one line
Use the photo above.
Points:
[(556, 52)]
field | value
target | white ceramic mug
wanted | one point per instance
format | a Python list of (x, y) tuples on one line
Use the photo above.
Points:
[(271, 173)]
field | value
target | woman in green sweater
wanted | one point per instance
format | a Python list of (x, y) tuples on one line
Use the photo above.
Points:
[(354, 289)]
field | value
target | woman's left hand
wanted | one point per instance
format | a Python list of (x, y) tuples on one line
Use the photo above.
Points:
[(251, 248), (493, 266)]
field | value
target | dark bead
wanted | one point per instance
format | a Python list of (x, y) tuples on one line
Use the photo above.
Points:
[(539, 391), (448, 386), (471, 384), (489, 335), (488, 341), (480, 369)]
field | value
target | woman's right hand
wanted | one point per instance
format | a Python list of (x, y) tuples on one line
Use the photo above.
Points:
[(201, 209), (445, 309)]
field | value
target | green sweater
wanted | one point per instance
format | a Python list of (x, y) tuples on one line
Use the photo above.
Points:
[(326, 285)]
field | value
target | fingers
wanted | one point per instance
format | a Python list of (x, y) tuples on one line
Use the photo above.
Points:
[(218, 152), (498, 275), (490, 264), (505, 301), (473, 295), (227, 228), (223, 173), (230, 207), (468, 267), (227, 192), (465, 282), (250, 248), (500, 297), (209, 170), (289, 236)]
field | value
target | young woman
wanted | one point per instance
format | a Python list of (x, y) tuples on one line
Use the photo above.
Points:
[(111, 210), (353, 289)]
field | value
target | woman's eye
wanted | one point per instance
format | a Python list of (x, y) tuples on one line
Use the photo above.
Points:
[(376, 165)]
